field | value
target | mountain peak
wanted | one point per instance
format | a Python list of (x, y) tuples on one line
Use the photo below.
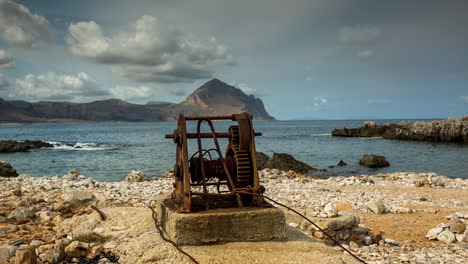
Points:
[(220, 98)]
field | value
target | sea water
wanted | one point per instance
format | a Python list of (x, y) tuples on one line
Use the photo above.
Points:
[(109, 151)]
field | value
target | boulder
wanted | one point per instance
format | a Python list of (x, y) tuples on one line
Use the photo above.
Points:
[(21, 213), (457, 226), (77, 249), (286, 162), (78, 196), (330, 210), (373, 161), (26, 255), (262, 160), (6, 253), (377, 207), (434, 232), (6, 170), (446, 236), (137, 176)]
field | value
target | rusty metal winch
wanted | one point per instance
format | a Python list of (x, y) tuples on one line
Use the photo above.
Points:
[(236, 170)]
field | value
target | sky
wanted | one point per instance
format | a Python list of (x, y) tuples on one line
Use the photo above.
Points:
[(306, 59)]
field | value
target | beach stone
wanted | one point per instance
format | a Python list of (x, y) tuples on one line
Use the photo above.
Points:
[(446, 236), (434, 232), (391, 242), (137, 176), (367, 240), (95, 251), (79, 196), (6, 170), (376, 235), (373, 161), (330, 210), (25, 255), (77, 249), (21, 213), (85, 228), (457, 226), (377, 207), (7, 252), (462, 237)]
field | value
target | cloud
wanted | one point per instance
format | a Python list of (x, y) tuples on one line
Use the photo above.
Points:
[(20, 27), (464, 98), (131, 92), (50, 86), (151, 52), (366, 53), (319, 101), (244, 87), (364, 33), (6, 61), (4, 84)]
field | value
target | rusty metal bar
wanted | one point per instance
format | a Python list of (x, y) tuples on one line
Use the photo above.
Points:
[(209, 135)]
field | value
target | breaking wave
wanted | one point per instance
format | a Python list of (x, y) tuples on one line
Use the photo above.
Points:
[(79, 146)]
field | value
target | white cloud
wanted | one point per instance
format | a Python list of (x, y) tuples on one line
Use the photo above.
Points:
[(464, 98), (6, 61), (366, 53), (364, 33), (50, 86), (152, 52), (319, 101), (131, 92), (20, 27)]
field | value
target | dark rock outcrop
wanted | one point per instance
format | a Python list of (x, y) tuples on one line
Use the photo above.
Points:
[(10, 146), (212, 98), (373, 161), (6, 170), (286, 162), (450, 130), (262, 160), (342, 163)]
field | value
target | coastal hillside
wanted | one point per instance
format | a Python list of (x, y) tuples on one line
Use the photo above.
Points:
[(212, 98)]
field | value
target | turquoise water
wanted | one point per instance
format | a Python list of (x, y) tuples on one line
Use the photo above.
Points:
[(109, 151)]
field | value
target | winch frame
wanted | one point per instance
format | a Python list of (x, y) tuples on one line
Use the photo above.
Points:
[(237, 169)]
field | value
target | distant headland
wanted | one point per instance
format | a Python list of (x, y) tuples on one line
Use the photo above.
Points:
[(212, 98)]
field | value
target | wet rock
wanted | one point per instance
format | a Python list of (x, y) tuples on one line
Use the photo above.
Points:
[(6, 170), (377, 207), (77, 249), (10, 146), (446, 236), (25, 255), (373, 161), (137, 176), (342, 163), (21, 213), (262, 160), (286, 162), (457, 226)]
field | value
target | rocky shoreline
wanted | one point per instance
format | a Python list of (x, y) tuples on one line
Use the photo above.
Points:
[(57, 219), (450, 130)]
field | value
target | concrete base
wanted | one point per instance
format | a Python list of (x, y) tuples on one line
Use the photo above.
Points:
[(221, 225)]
